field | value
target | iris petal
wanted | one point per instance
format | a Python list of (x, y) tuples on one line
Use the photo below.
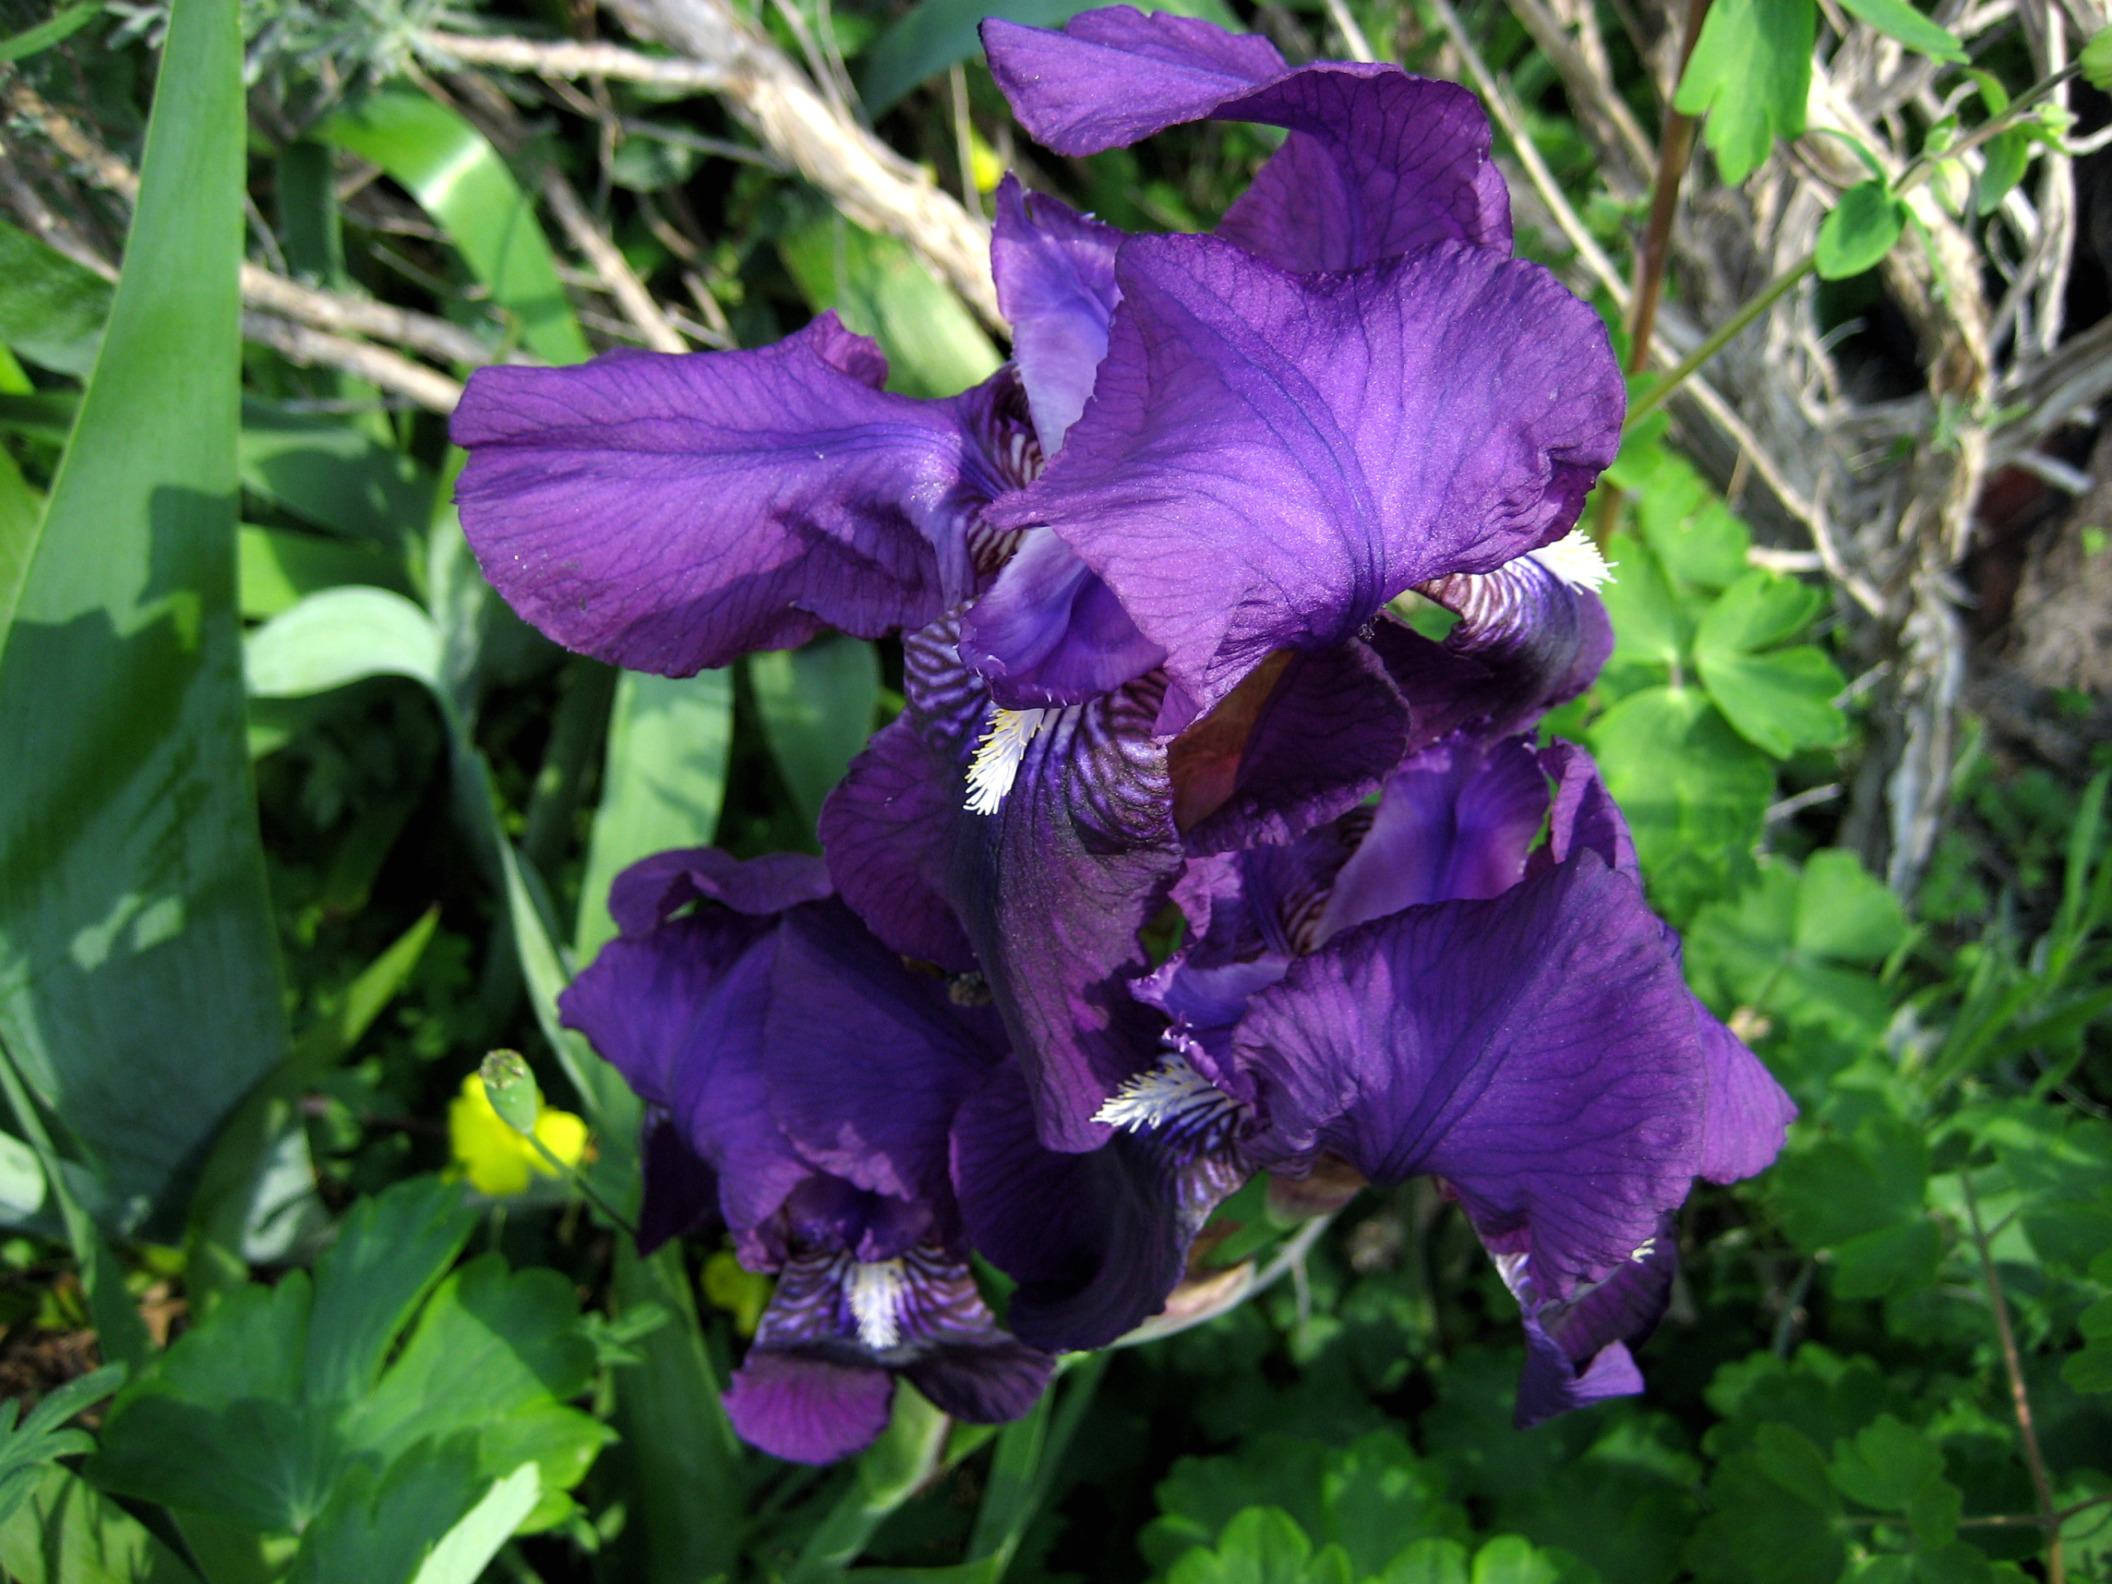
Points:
[(669, 513), (1268, 458)]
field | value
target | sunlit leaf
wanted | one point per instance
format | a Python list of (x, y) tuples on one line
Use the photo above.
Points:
[(139, 986), (1750, 73), (879, 288), (459, 179), (1859, 230)]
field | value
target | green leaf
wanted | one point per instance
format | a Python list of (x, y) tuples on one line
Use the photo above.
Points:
[(879, 288), (936, 34), (1692, 789), (139, 985), (2096, 60), (280, 567), (1859, 230), (70, 1533), (21, 519), (1651, 625), (268, 1411), (817, 706), (677, 1444), (2005, 156), (52, 311), (663, 782), (1762, 1531), (26, 1449), (335, 476), (389, 1253), (1262, 1545), (459, 179), (62, 26), (1842, 1187), (2091, 1369), (1750, 73), (1844, 912), (382, 1528), (1901, 21), (1511, 1559), (1428, 1562), (465, 1550), (340, 636), (1782, 700), (1895, 1468)]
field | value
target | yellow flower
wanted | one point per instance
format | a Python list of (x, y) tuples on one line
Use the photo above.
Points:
[(496, 1159), (731, 1286)]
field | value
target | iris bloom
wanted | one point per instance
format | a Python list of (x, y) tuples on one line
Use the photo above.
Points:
[(1142, 577), (752, 1012)]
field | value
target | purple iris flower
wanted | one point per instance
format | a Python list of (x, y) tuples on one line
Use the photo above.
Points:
[(1253, 441), (1416, 988), (794, 1066)]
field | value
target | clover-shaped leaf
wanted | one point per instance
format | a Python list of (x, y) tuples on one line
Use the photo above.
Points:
[(1779, 699)]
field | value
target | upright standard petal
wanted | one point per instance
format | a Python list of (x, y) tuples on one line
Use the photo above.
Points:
[(1378, 162), (669, 513), (1114, 76), (1539, 1051), (1055, 273), (1268, 458)]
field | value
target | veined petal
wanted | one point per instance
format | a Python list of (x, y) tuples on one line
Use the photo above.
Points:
[(1378, 162), (1049, 632), (1539, 1051), (1537, 623), (1579, 1352), (869, 1060), (1114, 76), (1051, 887), (1055, 272), (669, 513), (807, 1409), (1455, 822), (1268, 458)]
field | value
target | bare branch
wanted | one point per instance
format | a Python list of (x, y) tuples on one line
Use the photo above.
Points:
[(376, 365), (613, 268), (872, 184)]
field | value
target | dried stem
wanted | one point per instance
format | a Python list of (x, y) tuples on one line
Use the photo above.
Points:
[(610, 265), (333, 312), (1672, 156), (377, 365), (2049, 1519), (872, 184)]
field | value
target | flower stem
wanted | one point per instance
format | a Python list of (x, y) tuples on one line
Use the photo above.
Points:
[(2049, 1520)]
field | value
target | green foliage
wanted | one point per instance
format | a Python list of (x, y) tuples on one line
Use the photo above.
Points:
[(1750, 74), (292, 1410), (462, 183), (139, 985), (28, 1448), (879, 288), (1861, 229), (817, 707)]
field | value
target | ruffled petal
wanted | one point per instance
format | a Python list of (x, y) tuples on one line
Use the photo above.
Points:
[(669, 513), (805, 1409), (1538, 1051), (1114, 76), (1055, 271), (656, 888), (680, 1191), (1543, 637), (1268, 458), (1053, 884), (1093, 1239), (1378, 162), (1749, 1113), (888, 830), (1579, 1352), (869, 1061), (993, 1382), (679, 1008)]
